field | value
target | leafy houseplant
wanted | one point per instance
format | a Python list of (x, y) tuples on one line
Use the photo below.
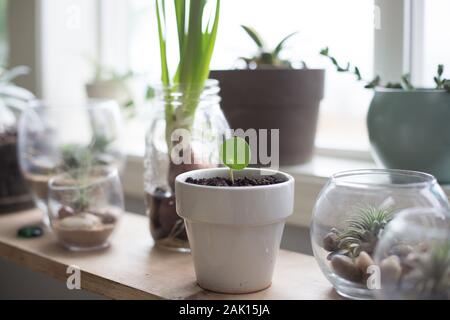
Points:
[(266, 58), (246, 211), (186, 102), (110, 84), (407, 126), (14, 194), (272, 94)]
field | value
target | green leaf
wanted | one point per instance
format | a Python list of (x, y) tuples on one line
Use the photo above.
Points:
[(255, 36), (374, 83), (440, 70), (280, 46), (150, 93), (180, 12), (235, 153), (325, 52), (406, 83), (447, 85), (358, 73), (394, 85), (160, 16)]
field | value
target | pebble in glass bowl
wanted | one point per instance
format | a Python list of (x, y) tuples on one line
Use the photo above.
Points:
[(413, 256), (351, 214)]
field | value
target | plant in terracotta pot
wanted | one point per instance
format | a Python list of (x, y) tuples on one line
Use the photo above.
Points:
[(188, 123), (234, 220), (14, 193), (107, 83), (271, 94), (408, 126)]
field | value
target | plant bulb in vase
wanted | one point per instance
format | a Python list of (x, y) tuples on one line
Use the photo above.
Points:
[(188, 125)]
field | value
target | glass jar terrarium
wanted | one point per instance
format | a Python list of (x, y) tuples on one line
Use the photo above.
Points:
[(14, 193), (350, 216), (57, 139), (190, 139), (85, 206), (413, 256)]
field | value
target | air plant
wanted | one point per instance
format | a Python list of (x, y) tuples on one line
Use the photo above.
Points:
[(362, 231), (79, 161), (404, 83), (266, 58), (77, 157), (197, 24)]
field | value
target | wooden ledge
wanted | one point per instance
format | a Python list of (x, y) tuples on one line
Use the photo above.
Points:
[(132, 268)]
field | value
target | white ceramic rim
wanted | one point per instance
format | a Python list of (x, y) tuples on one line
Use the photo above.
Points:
[(181, 179)]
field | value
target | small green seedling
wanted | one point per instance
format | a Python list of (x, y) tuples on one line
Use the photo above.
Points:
[(235, 154)]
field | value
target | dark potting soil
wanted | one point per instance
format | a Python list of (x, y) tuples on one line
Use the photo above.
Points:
[(238, 182)]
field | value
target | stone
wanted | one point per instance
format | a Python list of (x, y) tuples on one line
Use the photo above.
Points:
[(65, 212), (391, 270), (83, 221), (331, 242), (344, 267), (363, 262), (401, 250), (30, 232)]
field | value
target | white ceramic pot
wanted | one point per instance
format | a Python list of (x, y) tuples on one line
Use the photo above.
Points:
[(234, 232)]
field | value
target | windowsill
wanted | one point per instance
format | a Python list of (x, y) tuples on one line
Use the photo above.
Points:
[(309, 178)]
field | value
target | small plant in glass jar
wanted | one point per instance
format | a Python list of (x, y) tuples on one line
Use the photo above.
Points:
[(351, 215), (85, 206)]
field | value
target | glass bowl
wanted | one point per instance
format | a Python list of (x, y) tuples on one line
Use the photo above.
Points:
[(57, 139), (350, 215), (413, 256), (85, 207)]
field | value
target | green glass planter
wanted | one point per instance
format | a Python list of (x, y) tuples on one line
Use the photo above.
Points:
[(410, 130)]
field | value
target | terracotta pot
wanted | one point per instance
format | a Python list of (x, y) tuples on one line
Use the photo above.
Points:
[(275, 99), (114, 90)]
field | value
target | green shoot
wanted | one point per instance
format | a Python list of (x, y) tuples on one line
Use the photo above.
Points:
[(197, 24), (235, 154)]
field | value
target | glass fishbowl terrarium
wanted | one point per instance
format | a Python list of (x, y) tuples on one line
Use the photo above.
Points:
[(351, 214)]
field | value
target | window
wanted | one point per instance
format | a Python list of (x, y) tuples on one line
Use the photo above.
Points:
[(128, 39), (436, 47), (346, 27)]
